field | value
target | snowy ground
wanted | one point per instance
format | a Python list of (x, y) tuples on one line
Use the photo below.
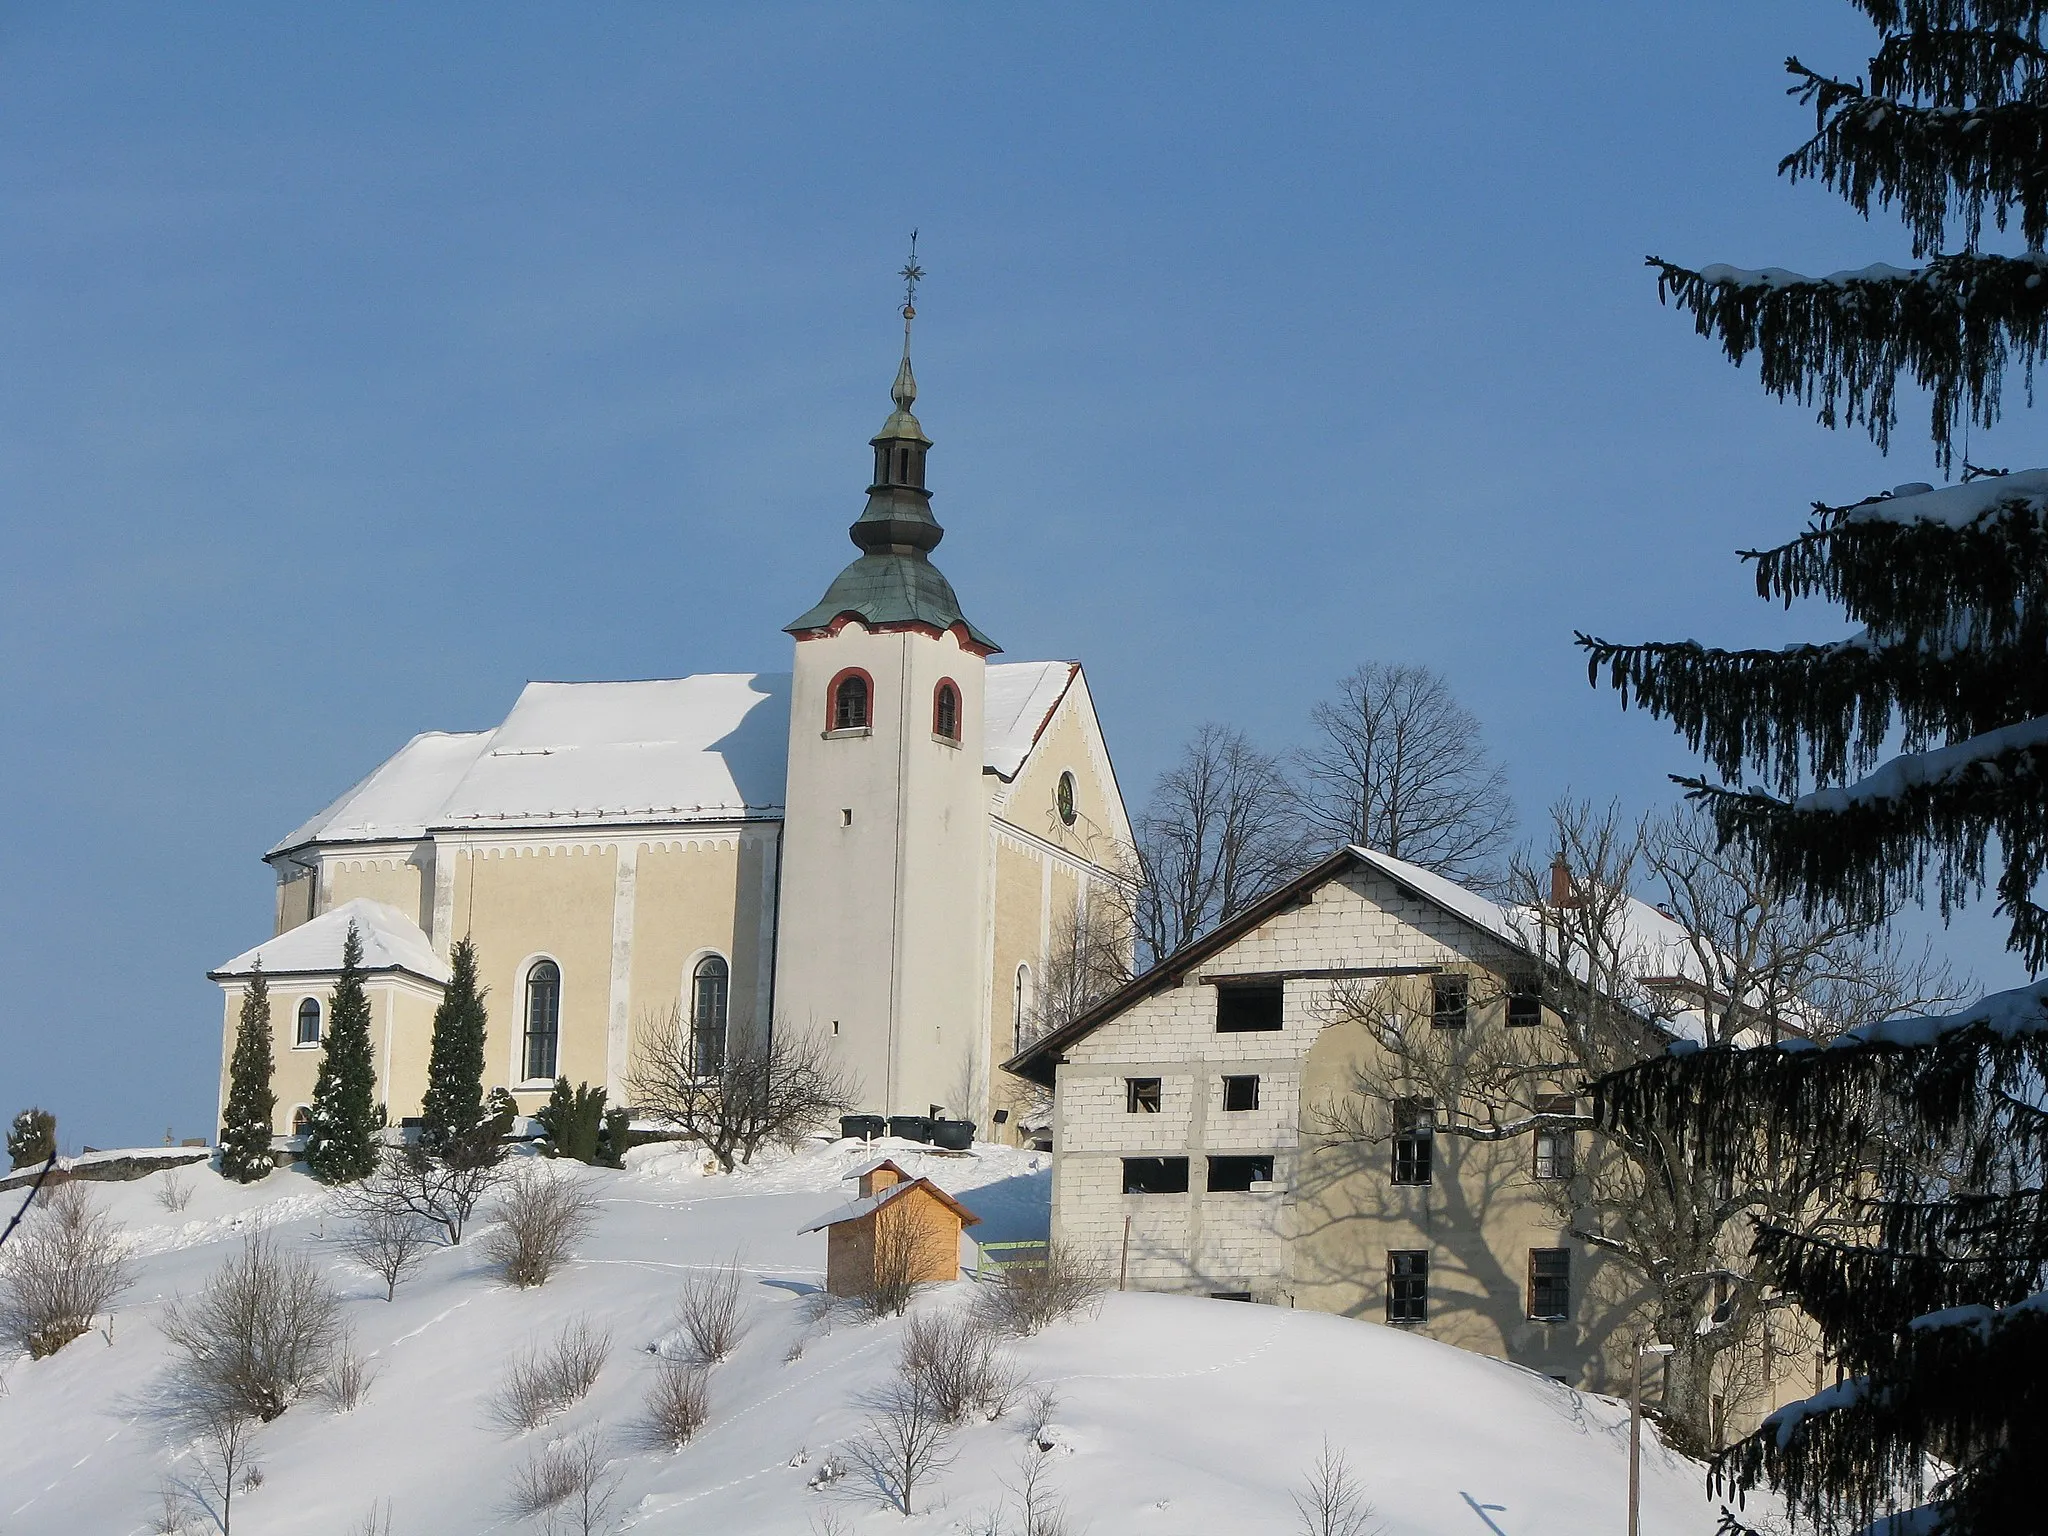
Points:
[(1175, 1416)]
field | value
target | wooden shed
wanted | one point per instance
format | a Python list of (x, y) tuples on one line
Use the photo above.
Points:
[(900, 1227)]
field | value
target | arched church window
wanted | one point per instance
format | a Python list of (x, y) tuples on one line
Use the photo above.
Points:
[(1063, 799), (302, 1120), (710, 992), (946, 712), (543, 1017), (850, 702), (1023, 1009), (309, 1022)]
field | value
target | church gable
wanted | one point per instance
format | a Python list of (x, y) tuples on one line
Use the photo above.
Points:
[(1087, 818)]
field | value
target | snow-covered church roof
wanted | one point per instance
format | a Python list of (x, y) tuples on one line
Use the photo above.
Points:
[(712, 747), (391, 942)]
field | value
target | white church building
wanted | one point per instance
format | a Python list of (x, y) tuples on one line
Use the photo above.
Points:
[(877, 846)]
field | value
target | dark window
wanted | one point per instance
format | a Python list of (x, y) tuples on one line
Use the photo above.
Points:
[(946, 712), (1554, 1145), (1525, 1002), (1063, 800), (1239, 1173), (1230, 1295), (1240, 1093), (1023, 1002), (309, 1021), (1408, 1286), (302, 1120), (902, 463), (850, 703), (1447, 1005), (709, 991), (543, 1017), (1141, 1095), (1155, 1175), (1550, 1284), (1414, 1140), (1247, 1008)]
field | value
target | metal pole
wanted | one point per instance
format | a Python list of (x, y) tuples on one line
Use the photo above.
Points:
[(1635, 1445), (1123, 1263)]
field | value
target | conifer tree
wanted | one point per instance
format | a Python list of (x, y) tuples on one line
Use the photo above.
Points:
[(245, 1128), (453, 1108), (342, 1143), (1933, 1307)]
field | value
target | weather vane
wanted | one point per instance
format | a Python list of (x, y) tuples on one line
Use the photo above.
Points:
[(911, 274)]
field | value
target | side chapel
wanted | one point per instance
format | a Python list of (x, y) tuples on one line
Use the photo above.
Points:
[(877, 846)]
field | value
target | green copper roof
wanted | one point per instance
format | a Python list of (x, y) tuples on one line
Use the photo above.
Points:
[(891, 588)]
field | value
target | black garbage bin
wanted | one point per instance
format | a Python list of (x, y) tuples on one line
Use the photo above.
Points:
[(911, 1127), (953, 1135), (862, 1127)]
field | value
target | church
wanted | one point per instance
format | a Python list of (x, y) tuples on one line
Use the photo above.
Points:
[(877, 847)]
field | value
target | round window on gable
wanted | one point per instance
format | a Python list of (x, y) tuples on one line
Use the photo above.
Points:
[(1063, 799)]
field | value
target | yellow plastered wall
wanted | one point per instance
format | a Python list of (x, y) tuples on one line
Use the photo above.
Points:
[(401, 1032)]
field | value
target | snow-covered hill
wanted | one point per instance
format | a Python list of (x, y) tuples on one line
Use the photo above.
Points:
[(1174, 1417)]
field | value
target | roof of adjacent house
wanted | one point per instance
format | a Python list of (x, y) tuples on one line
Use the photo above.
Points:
[(867, 1205), (1659, 945), (710, 747), (391, 942)]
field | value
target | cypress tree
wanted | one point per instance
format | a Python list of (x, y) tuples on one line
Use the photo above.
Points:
[(1934, 1306), (245, 1129), (453, 1108), (342, 1142)]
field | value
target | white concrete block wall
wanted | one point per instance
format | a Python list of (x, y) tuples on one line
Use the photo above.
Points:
[(1224, 1241)]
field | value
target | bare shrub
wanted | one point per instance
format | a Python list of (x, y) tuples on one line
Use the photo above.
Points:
[(709, 1312), (951, 1358), (679, 1405), (175, 1193), (64, 1266), (441, 1189), (892, 1280), (1041, 1402), (570, 1482), (761, 1093), (348, 1380), (259, 1336), (904, 1443), (1025, 1298), (1331, 1500), (1040, 1512), (540, 1217), (387, 1239), (376, 1523), (223, 1465), (544, 1381)]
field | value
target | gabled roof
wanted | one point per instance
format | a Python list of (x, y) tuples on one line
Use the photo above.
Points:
[(867, 1205), (391, 942), (711, 747)]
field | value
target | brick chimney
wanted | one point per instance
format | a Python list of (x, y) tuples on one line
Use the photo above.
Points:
[(1561, 883)]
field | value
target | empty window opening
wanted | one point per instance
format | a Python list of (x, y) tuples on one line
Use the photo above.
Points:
[(1554, 1144), (543, 1018), (850, 703), (1240, 1093), (1414, 1140), (710, 990), (1550, 1284), (946, 712), (309, 1022), (1232, 1174), (1141, 1095), (1230, 1295), (1155, 1175), (1241, 1009), (1449, 996), (1408, 1286), (846, 817), (902, 463), (1525, 1001), (835, 1026)]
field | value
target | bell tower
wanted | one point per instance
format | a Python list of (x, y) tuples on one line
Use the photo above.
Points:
[(885, 822)]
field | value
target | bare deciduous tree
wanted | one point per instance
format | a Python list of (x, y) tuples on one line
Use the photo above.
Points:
[(1331, 1500), (1089, 958), (224, 1464), (441, 1189), (774, 1090), (260, 1335), (904, 1443), (387, 1239), (1217, 834), (891, 1280), (541, 1214), (1026, 1297), (1398, 764), (952, 1358), (63, 1268), (1731, 959)]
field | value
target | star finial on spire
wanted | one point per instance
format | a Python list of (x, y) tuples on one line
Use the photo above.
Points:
[(911, 274)]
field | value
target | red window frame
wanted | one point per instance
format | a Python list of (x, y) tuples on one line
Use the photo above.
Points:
[(938, 719), (832, 700)]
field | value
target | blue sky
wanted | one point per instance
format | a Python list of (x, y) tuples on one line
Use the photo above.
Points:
[(363, 362)]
